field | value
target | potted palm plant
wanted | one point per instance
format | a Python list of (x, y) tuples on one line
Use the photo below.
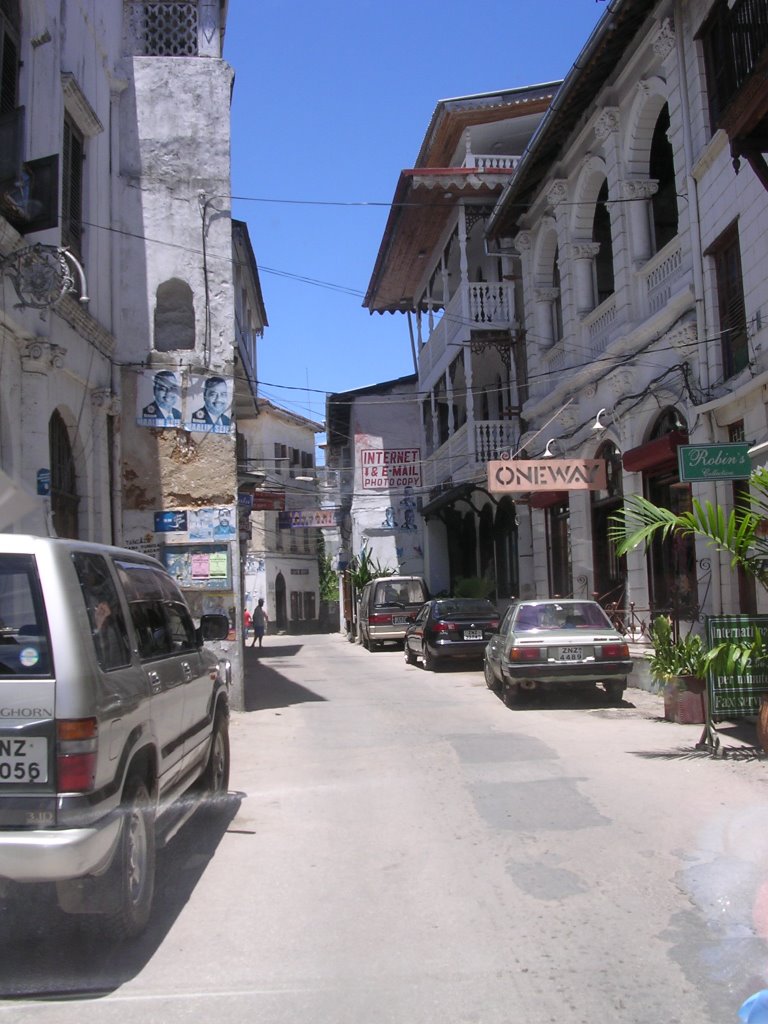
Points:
[(679, 667)]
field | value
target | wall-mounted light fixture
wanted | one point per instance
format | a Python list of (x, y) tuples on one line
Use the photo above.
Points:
[(548, 453), (598, 424)]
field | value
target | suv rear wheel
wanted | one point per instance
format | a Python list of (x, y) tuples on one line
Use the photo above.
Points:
[(133, 869)]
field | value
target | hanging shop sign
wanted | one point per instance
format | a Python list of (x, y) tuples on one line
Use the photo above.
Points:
[(268, 501), (714, 461), (732, 696), (526, 475), (308, 517)]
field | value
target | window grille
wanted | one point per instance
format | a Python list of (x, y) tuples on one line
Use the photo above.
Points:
[(162, 28)]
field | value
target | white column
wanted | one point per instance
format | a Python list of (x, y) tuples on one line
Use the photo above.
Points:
[(638, 196), (583, 257)]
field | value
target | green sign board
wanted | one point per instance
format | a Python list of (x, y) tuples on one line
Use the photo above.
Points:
[(736, 695), (714, 461)]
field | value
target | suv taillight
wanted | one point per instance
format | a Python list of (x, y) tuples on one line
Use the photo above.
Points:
[(76, 747)]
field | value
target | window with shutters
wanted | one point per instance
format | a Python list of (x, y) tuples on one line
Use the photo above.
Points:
[(726, 255), (72, 188), (9, 63)]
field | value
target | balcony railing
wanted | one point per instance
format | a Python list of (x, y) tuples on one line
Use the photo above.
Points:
[(491, 162), (460, 459), (659, 277), (483, 305)]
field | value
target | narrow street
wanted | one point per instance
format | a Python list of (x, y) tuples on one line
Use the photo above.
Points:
[(401, 847)]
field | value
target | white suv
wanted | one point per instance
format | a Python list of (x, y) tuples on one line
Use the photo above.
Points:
[(111, 708)]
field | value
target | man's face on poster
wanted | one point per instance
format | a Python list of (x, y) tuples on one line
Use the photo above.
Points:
[(166, 392), (215, 399)]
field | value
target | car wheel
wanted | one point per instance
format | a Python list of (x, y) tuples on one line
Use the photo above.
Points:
[(615, 690), (431, 663), (490, 679), (410, 657), (134, 863), (215, 778)]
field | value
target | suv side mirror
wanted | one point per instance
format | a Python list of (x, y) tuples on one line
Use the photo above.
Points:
[(213, 627)]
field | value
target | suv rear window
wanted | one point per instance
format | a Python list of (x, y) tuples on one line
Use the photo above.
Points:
[(105, 614), (398, 592), (24, 639)]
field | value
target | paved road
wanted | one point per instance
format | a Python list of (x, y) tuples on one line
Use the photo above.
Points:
[(400, 847)]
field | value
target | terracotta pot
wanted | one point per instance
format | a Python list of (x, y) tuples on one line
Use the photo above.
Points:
[(685, 700), (693, 684)]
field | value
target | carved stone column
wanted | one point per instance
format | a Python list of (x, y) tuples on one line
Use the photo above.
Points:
[(583, 257), (638, 195)]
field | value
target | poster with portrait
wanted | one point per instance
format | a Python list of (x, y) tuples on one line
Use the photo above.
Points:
[(159, 399), (218, 522), (208, 404)]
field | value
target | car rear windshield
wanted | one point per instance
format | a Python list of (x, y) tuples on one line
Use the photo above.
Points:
[(466, 608), (399, 592), (24, 637), (554, 615)]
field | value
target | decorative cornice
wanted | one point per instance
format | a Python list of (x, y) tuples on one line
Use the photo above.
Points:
[(557, 193), (641, 188), (87, 326), (584, 250), (40, 355), (684, 337), (619, 382), (546, 294), (664, 41), (105, 400), (607, 123), (78, 106), (523, 241)]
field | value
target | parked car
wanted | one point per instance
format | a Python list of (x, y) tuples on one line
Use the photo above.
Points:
[(546, 644), (448, 629), (387, 606), (111, 709)]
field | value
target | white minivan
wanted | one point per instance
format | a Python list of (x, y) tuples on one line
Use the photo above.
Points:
[(388, 605)]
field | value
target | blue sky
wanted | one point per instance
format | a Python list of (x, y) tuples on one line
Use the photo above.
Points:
[(331, 101)]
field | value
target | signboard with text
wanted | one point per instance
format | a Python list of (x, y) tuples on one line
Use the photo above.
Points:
[(714, 461), (736, 695), (524, 475), (390, 468), (308, 517)]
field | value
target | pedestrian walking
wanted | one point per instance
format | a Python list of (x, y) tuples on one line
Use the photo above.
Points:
[(259, 620), (247, 622)]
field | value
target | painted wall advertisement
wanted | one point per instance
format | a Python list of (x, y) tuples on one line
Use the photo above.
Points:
[(389, 468)]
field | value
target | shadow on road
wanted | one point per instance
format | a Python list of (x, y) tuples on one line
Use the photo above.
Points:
[(48, 955), (264, 687)]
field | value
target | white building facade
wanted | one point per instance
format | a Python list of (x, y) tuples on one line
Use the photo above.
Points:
[(280, 492), (118, 150), (640, 249)]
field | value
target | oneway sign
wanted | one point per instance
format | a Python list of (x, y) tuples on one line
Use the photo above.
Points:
[(714, 461), (546, 475)]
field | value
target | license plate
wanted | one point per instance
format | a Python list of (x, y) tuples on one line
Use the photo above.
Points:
[(570, 654), (399, 620), (473, 634), (23, 760)]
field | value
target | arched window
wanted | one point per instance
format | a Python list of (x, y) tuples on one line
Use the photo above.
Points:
[(662, 169), (174, 317), (557, 303), (601, 233), (64, 499)]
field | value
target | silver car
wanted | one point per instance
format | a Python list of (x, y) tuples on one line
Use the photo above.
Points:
[(546, 644), (111, 708)]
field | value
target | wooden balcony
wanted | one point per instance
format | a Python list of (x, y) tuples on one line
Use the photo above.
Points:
[(483, 305)]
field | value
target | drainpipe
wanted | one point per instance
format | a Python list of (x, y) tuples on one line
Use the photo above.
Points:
[(698, 263), (116, 88)]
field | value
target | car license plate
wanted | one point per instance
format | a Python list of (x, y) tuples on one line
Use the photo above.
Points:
[(399, 620), (473, 634), (570, 654), (23, 759)]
